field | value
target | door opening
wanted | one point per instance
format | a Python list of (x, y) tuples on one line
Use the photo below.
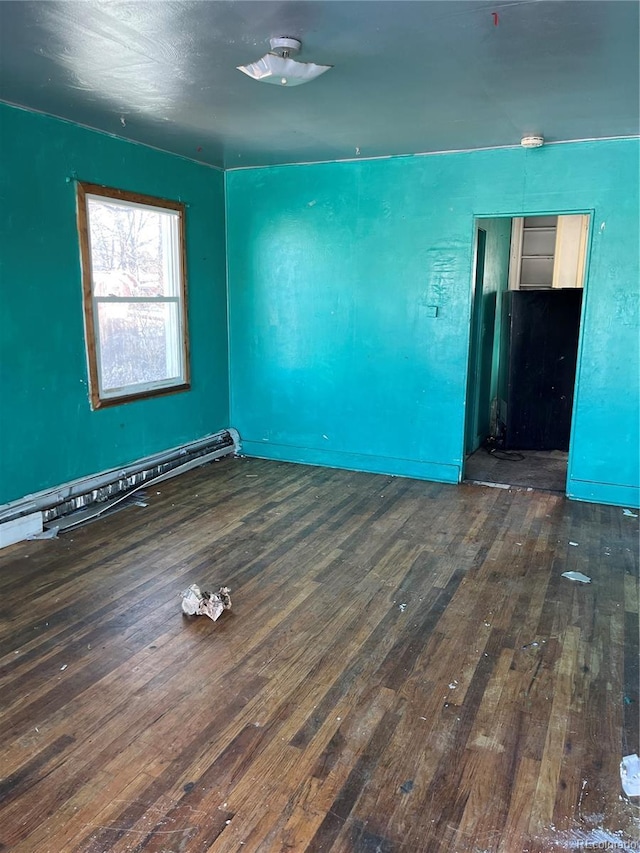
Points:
[(525, 325)]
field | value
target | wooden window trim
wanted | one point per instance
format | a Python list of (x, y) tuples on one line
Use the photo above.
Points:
[(184, 384)]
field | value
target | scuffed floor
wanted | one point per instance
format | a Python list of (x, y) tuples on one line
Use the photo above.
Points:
[(404, 670), (537, 469)]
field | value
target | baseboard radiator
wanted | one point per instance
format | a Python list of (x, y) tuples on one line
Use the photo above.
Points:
[(106, 488)]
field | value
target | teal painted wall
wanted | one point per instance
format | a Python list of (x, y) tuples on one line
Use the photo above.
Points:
[(334, 270), (335, 273), (48, 433)]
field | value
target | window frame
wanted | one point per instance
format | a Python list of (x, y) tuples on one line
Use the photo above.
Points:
[(92, 337)]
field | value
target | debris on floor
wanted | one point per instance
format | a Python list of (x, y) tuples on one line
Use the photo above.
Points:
[(47, 533), (576, 576), (575, 544), (630, 775), (629, 514), (407, 787), (211, 604), (137, 500)]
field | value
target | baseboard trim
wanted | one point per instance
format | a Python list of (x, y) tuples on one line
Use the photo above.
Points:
[(603, 493), (415, 469)]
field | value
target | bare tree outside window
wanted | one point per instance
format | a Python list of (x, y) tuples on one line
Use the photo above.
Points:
[(132, 251)]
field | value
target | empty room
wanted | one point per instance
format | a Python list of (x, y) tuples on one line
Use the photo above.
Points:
[(319, 426)]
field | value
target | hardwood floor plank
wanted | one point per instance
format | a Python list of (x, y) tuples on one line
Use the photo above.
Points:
[(546, 789), (404, 669)]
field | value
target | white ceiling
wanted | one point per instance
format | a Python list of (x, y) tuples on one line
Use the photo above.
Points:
[(409, 77)]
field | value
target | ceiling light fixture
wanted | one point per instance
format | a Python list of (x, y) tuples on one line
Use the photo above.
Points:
[(278, 68), (532, 141)]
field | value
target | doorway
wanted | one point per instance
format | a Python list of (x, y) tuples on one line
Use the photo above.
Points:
[(525, 326)]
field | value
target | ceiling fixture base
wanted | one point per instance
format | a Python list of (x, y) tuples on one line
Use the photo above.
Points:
[(532, 141), (285, 46)]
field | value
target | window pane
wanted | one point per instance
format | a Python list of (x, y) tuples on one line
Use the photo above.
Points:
[(134, 293), (133, 250), (139, 343)]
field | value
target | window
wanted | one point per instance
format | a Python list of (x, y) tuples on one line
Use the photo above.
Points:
[(133, 271)]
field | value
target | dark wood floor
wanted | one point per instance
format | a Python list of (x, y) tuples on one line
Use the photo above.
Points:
[(404, 669), (538, 469)]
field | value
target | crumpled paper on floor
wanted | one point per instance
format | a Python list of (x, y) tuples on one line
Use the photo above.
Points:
[(211, 604)]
